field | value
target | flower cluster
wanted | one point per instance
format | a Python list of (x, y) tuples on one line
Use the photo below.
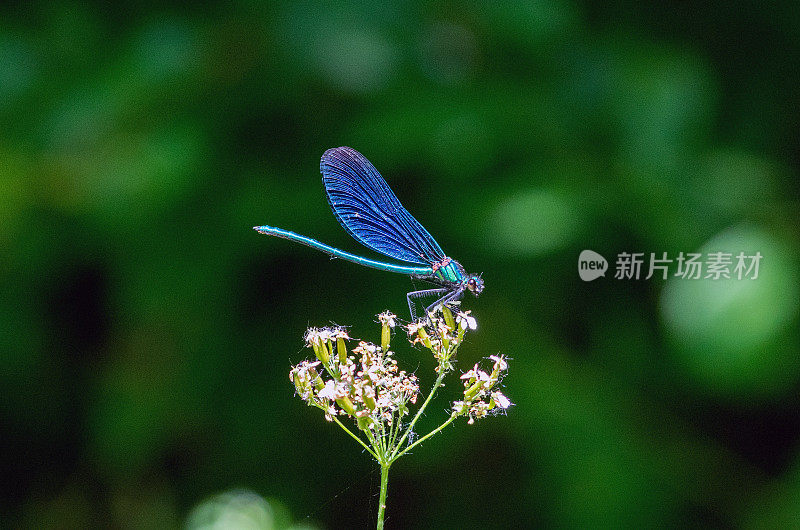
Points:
[(365, 385), (480, 396)]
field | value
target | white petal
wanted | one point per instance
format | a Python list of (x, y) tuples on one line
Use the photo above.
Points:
[(500, 400), (499, 362), (329, 391)]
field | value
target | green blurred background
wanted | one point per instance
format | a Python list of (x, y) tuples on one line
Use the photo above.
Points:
[(147, 331)]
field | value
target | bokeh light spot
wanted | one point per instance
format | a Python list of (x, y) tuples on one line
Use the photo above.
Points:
[(535, 223), (728, 332)]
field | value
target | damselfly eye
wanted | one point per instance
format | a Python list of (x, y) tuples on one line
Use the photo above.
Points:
[(475, 285)]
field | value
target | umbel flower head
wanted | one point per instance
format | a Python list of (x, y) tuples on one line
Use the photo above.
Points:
[(366, 384), (480, 394)]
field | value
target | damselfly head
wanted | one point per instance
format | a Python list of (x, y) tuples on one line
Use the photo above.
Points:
[(475, 284)]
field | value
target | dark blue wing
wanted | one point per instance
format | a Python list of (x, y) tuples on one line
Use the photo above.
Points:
[(370, 212)]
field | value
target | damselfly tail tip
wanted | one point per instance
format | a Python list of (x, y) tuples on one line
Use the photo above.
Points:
[(261, 229)]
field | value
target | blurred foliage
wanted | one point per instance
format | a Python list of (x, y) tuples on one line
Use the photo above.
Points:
[(147, 330)]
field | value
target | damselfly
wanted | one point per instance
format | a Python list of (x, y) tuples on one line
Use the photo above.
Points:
[(369, 211)]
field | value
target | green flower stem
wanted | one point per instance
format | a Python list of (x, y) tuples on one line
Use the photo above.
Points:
[(385, 438), (410, 428), (384, 487), (375, 446), (381, 441), (356, 438), (397, 423), (412, 446)]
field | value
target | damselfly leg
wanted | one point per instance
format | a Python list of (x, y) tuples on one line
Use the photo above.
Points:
[(452, 296), (422, 294)]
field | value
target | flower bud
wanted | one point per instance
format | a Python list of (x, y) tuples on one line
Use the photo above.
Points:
[(387, 323), (329, 347), (301, 386), (424, 337), (448, 317), (368, 393), (319, 384), (363, 422), (320, 350), (386, 335), (472, 392), (346, 405)]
